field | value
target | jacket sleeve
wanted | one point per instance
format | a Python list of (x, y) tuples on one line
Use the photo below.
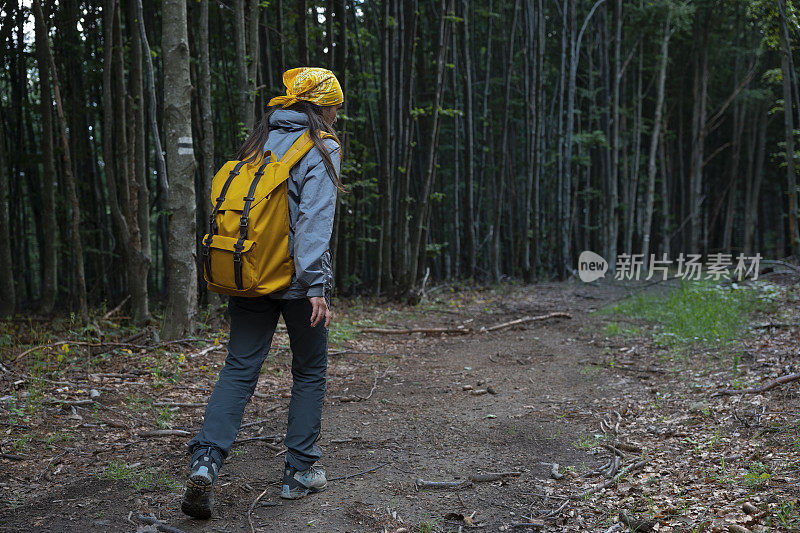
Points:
[(315, 222)]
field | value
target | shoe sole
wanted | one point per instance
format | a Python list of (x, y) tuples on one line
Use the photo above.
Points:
[(299, 493), (198, 498)]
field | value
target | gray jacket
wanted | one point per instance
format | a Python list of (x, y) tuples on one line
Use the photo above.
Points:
[(312, 204)]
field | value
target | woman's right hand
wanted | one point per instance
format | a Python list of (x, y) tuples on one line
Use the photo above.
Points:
[(319, 311)]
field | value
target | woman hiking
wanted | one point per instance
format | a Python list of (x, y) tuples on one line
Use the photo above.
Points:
[(313, 97)]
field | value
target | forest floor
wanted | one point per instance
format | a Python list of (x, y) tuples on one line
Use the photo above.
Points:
[(93, 434)]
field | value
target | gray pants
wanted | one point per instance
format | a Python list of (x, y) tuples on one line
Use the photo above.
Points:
[(253, 322)]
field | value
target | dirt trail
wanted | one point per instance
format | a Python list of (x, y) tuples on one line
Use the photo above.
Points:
[(418, 423)]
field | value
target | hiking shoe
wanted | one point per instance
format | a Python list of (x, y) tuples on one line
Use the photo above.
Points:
[(299, 483), (198, 494)]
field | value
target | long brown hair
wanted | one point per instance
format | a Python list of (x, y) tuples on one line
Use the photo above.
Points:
[(252, 148)]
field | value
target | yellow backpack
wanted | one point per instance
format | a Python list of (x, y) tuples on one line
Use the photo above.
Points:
[(246, 251)]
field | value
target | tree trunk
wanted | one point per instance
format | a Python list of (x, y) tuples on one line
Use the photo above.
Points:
[(139, 266), (386, 184), (252, 62), (181, 307), (753, 190), (612, 224), (75, 244), (8, 293), (699, 130), (788, 122), (301, 28), (48, 202), (469, 140), (654, 140), (418, 248), (161, 166), (207, 166), (500, 209), (241, 67)]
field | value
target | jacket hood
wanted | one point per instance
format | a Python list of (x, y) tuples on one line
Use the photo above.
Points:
[(288, 119)]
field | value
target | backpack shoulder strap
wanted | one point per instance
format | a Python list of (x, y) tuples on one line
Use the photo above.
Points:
[(301, 147)]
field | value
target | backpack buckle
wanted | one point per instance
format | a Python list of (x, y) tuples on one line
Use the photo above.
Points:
[(237, 257), (243, 222)]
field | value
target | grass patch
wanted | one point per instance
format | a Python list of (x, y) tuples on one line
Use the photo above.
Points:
[(141, 478), (695, 313)]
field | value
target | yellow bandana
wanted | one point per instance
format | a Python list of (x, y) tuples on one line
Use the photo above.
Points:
[(316, 85)]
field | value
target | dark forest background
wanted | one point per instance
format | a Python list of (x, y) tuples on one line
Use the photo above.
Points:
[(483, 140)]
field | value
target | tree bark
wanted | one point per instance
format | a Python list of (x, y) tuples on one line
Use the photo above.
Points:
[(386, 184), (469, 140), (699, 130), (241, 67), (500, 209), (788, 123), (654, 141), (252, 62), (8, 295), (182, 304), (75, 244), (207, 166), (612, 224), (301, 28), (140, 264), (754, 187), (50, 250), (418, 248)]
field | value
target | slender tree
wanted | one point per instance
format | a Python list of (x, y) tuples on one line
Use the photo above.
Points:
[(182, 304), (8, 293), (654, 139), (48, 202)]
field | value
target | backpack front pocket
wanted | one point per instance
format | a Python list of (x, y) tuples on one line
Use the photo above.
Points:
[(224, 266)]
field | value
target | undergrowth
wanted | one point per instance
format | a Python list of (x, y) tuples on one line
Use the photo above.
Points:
[(697, 312)]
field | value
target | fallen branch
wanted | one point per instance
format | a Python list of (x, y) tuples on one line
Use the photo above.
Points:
[(178, 404), (460, 330), (783, 380), (264, 440), (158, 524), (613, 481), (492, 476), (250, 510), (208, 349), (12, 457), (165, 433), (374, 468), (537, 523), (525, 320), (117, 308), (446, 485)]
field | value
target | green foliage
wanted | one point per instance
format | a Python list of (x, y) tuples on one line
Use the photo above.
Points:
[(696, 312), (148, 479)]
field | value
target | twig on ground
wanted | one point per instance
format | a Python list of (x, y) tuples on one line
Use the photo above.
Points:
[(250, 510), (178, 404), (460, 330), (525, 320), (208, 349), (340, 478), (158, 524), (264, 440), (492, 476), (117, 308), (627, 470), (446, 485), (783, 380), (165, 433)]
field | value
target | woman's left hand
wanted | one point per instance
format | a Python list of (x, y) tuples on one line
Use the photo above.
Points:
[(319, 311)]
